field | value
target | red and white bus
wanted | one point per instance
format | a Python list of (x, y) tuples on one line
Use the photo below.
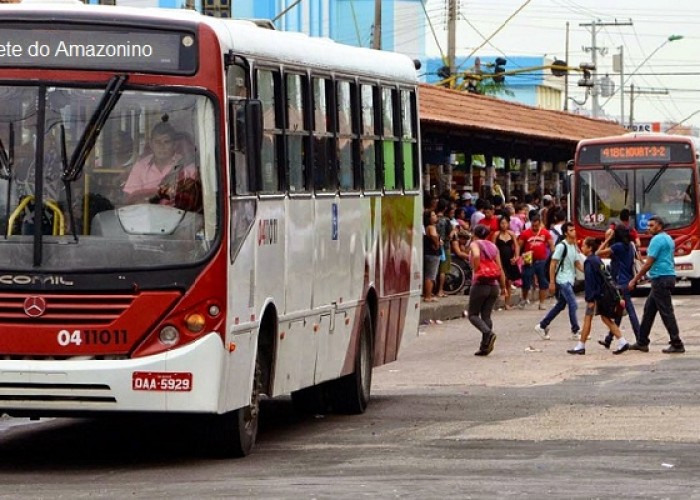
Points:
[(280, 252), (649, 174)]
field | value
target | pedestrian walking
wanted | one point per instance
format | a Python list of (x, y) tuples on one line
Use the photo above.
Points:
[(446, 231), (562, 275), (594, 305), (621, 254), (660, 269), (487, 275)]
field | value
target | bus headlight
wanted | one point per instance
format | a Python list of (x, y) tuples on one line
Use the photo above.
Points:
[(169, 335)]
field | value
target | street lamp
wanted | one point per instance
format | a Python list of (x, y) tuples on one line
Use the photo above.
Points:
[(671, 38)]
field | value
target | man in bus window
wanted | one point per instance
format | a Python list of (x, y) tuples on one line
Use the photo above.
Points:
[(164, 176), (672, 193)]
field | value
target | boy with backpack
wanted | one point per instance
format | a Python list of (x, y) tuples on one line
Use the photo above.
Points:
[(562, 274), (599, 300)]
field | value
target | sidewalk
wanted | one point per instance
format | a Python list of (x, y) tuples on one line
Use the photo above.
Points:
[(450, 307), (453, 306)]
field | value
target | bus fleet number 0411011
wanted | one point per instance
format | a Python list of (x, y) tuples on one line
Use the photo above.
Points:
[(91, 337)]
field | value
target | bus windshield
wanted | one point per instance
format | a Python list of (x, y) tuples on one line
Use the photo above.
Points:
[(145, 194), (659, 190)]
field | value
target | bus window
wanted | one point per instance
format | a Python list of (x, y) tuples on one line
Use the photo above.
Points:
[(236, 81), (368, 138), (325, 175), (345, 108), (409, 142), (267, 93), (296, 134), (238, 90), (388, 139), (668, 195)]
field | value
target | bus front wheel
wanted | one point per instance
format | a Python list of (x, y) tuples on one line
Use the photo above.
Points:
[(233, 434)]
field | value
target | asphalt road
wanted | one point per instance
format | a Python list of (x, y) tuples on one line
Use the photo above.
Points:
[(529, 421)]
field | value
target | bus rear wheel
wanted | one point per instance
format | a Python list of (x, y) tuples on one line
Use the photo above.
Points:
[(351, 393)]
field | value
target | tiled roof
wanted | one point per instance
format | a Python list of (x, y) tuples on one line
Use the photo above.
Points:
[(461, 110)]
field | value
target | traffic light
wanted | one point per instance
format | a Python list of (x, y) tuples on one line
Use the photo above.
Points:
[(499, 69), (559, 68), (586, 81), (443, 72)]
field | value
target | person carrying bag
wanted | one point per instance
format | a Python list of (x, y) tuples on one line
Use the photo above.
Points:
[(487, 274)]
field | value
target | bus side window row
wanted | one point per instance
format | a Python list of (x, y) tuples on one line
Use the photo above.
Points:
[(334, 134)]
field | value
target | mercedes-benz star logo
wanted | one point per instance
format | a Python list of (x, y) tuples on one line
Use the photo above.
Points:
[(34, 306)]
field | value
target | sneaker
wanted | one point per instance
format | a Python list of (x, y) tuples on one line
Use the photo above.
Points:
[(542, 332), (575, 336), (522, 304), (542, 307), (674, 349)]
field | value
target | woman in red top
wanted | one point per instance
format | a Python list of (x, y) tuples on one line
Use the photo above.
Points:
[(490, 220), (535, 245)]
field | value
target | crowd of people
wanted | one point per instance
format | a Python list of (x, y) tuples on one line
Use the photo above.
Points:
[(530, 245)]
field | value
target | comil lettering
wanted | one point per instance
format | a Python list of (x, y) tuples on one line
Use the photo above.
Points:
[(103, 50)]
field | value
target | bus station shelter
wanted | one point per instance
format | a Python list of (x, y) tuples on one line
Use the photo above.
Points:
[(482, 144)]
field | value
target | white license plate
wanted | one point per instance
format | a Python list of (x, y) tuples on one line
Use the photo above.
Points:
[(162, 381)]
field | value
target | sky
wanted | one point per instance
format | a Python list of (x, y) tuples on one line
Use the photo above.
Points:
[(539, 28)]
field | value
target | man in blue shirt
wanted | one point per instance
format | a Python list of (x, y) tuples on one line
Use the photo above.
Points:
[(660, 269)]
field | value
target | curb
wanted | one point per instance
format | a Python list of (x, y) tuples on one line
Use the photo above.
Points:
[(450, 307)]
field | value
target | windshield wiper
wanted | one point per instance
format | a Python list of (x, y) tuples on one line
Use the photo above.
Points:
[(94, 127), (7, 157), (7, 160), (69, 191), (655, 179), (73, 169)]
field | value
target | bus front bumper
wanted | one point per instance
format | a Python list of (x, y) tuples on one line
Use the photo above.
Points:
[(187, 379)]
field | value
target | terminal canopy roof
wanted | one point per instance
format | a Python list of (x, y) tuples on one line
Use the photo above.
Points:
[(465, 122)]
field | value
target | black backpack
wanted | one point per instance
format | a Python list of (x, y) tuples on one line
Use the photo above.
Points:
[(611, 303)]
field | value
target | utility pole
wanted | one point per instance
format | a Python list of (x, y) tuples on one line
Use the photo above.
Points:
[(634, 92), (451, 38), (622, 85), (566, 75), (594, 49), (377, 33)]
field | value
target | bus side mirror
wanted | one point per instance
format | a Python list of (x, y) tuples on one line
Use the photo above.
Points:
[(252, 130), (565, 182)]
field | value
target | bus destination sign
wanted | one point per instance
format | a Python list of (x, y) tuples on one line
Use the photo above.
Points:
[(643, 153), (646, 152), (114, 49)]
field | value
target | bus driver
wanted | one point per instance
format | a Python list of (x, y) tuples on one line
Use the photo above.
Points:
[(161, 176)]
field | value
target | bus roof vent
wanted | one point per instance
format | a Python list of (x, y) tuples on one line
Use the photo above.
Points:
[(263, 23)]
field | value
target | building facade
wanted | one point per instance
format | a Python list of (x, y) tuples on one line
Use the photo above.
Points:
[(346, 21), (403, 24)]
